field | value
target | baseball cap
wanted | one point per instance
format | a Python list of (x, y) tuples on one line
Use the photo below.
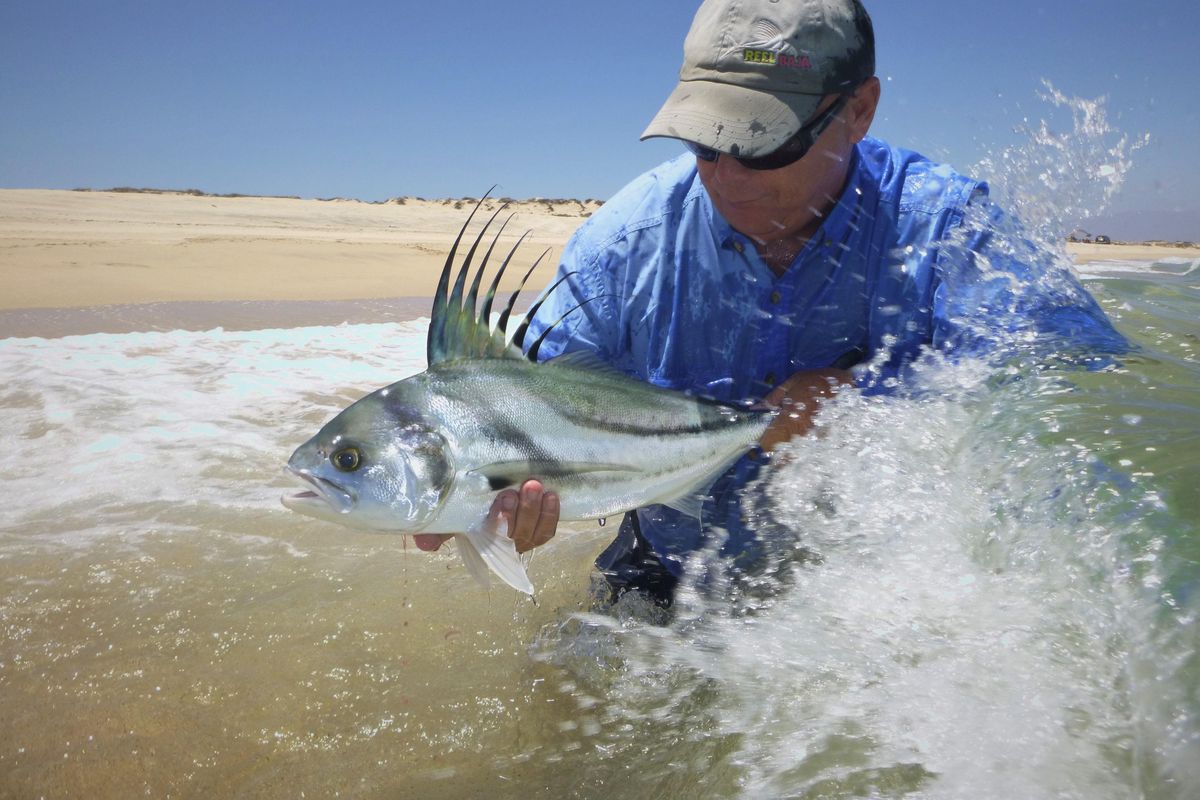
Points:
[(755, 70)]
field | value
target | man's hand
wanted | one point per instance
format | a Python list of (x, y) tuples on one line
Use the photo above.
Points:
[(797, 398), (531, 513)]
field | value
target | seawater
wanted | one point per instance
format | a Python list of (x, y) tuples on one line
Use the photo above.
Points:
[(988, 591)]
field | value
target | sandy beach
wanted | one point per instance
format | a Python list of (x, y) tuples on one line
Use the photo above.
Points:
[(79, 249), (64, 249)]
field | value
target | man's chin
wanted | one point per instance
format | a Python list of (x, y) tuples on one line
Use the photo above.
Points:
[(750, 218)]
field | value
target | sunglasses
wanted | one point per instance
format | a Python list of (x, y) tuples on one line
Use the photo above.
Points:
[(787, 153)]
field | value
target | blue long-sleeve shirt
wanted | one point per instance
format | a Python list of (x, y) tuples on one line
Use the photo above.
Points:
[(912, 256)]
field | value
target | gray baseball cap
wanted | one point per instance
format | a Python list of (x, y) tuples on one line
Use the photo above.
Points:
[(754, 71)]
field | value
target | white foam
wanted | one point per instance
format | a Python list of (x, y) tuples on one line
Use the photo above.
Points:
[(98, 423), (961, 631)]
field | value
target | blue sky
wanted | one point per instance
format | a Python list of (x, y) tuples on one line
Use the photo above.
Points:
[(379, 99)]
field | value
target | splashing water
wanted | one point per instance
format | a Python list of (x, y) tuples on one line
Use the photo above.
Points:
[(968, 601), (1058, 179), (974, 589)]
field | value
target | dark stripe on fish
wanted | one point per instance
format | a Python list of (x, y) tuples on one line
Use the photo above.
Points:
[(712, 418), (508, 473), (498, 482)]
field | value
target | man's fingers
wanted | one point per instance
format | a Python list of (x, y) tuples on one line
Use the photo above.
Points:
[(531, 513), (529, 508), (504, 507), (430, 541), (547, 521), (797, 399)]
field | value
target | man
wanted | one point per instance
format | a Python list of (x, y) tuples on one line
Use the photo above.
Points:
[(785, 248)]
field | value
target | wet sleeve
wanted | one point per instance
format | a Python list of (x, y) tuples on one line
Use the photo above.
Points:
[(1001, 294)]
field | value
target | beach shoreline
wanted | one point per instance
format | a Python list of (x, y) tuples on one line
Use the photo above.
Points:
[(91, 261)]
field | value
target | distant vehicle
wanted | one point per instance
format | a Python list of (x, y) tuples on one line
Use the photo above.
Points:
[(1102, 239)]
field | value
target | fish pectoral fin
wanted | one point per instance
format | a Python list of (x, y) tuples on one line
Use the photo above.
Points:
[(502, 474), (487, 546), (472, 560)]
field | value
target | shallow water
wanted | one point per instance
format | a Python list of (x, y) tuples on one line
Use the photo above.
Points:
[(987, 591)]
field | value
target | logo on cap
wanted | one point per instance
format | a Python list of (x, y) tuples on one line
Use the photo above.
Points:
[(782, 59), (769, 47)]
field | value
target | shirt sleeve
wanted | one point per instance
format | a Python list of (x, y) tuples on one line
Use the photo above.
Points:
[(1001, 293)]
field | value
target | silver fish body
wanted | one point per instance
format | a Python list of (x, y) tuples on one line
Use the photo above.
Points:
[(433, 450), (429, 454)]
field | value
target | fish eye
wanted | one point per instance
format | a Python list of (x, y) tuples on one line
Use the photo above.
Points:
[(347, 459)]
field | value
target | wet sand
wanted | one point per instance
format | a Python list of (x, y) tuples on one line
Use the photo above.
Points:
[(206, 315)]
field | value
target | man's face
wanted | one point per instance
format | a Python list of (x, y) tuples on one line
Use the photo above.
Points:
[(767, 205)]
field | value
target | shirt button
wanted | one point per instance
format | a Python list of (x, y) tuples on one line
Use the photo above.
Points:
[(738, 246), (776, 297), (769, 379)]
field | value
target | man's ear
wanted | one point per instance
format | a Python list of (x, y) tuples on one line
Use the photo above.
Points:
[(861, 108)]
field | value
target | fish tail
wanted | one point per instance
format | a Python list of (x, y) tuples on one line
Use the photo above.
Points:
[(487, 547)]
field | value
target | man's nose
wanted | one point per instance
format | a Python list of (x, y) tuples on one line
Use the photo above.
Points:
[(730, 170)]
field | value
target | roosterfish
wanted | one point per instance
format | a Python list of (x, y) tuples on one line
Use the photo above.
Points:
[(429, 453)]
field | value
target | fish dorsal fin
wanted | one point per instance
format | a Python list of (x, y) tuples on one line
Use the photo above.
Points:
[(436, 343), (532, 352), (502, 323), (457, 329)]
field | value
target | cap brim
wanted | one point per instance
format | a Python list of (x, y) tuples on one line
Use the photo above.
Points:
[(731, 119)]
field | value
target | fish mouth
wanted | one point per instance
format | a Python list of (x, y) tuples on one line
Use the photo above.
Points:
[(323, 495)]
